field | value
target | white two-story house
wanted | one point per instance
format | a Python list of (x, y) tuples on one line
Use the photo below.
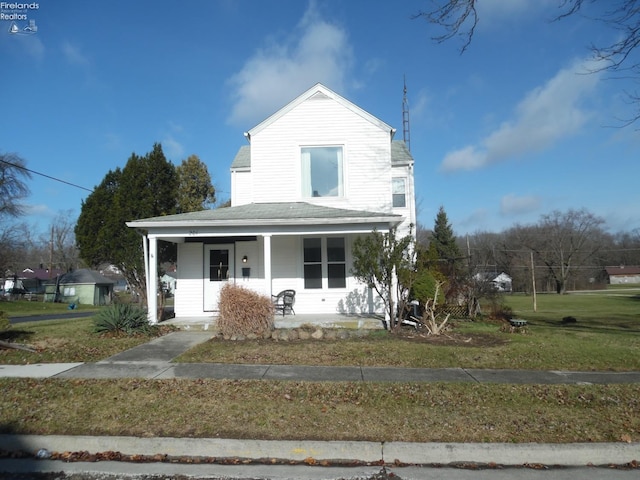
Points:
[(313, 177)]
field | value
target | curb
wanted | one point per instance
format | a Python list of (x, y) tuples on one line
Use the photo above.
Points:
[(507, 454)]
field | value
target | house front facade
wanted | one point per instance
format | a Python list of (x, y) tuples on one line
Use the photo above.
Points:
[(313, 177)]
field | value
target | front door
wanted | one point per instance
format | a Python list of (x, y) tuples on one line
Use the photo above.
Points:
[(218, 270)]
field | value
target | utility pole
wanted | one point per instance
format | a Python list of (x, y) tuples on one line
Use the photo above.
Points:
[(51, 254), (533, 284)]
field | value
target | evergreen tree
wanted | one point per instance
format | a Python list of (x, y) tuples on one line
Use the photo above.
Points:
[(146, 187), (449, 258), (444, 239)]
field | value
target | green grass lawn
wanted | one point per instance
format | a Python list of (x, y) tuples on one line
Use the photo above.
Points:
[(22, 308)]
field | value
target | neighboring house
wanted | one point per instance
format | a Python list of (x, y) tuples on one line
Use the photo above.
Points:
[(623, 274), (316, 175), (31, 279), (35, 279), (502, 282), (84, 286)]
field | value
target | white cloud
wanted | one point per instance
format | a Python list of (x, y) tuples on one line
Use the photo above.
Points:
[(477, 218), (73, 54), (512, 204), (545, 116), (173, 149), (317, 51), (490, 11)]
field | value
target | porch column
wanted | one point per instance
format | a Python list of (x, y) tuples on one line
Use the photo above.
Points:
[(152, 282), (267, 264)]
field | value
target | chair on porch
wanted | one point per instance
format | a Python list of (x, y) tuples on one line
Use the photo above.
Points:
[(283, 302)]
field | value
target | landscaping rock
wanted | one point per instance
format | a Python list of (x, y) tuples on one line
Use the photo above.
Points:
[(318, 334), (304, 335)]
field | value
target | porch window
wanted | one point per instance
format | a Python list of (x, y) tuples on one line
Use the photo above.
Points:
[(312, 263), (322, 172), (399, 192), (218, 265), (324, 258), (336, 265)]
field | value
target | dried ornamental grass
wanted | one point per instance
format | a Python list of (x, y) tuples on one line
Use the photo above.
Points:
[(244, 312)]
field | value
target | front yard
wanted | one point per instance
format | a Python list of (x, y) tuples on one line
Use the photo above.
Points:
[(605, 336)]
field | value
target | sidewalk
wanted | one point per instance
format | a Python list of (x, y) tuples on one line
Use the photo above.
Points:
[(153, 361)]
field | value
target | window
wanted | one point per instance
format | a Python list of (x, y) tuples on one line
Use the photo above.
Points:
[(399, 192), (324, 258), (322, 174), (219, 265), (312, 263), (336, 266)]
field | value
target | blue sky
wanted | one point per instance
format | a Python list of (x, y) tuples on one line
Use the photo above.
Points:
[(512, 129)]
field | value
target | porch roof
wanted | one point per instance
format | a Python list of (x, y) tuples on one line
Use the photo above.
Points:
[(269, 214)]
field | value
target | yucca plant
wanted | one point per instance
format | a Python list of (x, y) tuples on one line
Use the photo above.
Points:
[(122, 317)]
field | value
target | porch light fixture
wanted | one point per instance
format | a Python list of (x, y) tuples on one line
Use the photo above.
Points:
[(244, 259)]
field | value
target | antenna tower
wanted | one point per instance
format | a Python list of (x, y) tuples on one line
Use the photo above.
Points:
[(406, 131)]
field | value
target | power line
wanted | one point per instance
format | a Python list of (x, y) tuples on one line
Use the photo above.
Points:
[(45, 175)]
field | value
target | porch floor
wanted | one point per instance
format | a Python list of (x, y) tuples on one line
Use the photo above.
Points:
[(325, 320)]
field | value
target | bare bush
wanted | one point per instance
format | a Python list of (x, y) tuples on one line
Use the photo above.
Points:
[(244, 312), (431, 318)]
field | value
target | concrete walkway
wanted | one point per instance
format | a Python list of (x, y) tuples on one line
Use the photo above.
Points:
[(153, 361)]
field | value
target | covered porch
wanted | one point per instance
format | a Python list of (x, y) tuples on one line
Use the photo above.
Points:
[(267, 248)]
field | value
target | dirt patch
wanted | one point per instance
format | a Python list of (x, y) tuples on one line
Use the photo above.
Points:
[(453, 338)]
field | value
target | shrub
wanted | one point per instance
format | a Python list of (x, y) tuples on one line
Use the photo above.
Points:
[(244, 312), (122, 317)]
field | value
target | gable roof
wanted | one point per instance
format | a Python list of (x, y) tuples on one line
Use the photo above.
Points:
[(319, 91), (84, 276), (623, 270), (400, 155), (263, 214)]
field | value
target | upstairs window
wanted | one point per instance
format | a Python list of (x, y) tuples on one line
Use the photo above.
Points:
[(322, 172), (399, 192)]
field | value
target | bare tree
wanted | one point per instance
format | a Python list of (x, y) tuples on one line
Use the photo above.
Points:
[(13, 188), (563, 242), (56, 247), (459, 18)]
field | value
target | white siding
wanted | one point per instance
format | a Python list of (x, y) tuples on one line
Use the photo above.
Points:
[(409, 211), (276, 162), (241, 188)]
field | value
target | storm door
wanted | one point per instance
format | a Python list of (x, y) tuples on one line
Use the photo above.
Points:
[(218, 270)]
